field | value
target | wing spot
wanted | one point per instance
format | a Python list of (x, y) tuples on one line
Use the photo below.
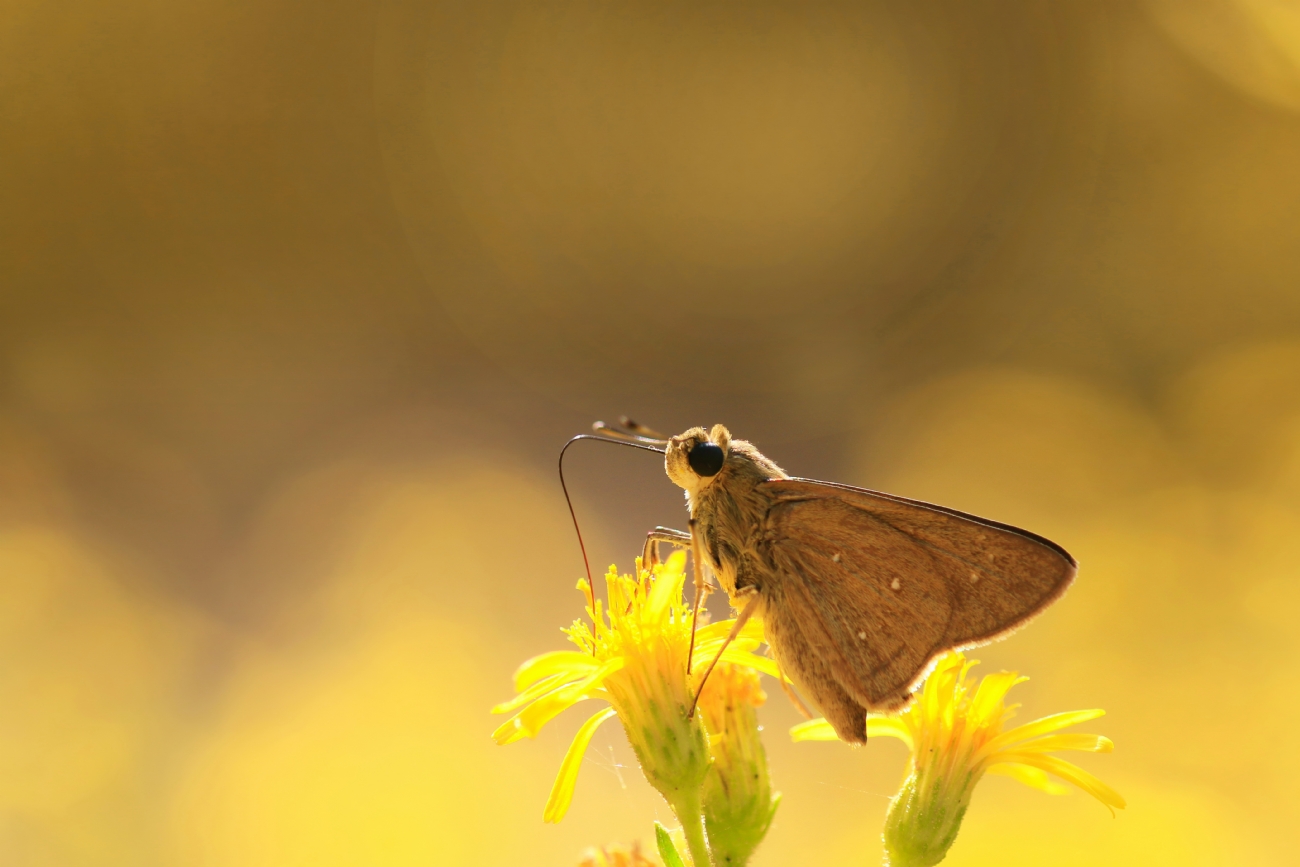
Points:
[(835, 559), (862, 636), (974, 576), (895, 584)]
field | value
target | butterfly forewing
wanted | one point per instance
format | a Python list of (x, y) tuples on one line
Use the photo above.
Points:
[(880, 584), (858, 592)]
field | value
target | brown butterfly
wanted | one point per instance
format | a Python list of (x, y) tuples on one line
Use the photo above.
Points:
[(858, 591)]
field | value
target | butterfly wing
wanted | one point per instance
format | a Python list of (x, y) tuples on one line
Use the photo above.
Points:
[(871, 587)]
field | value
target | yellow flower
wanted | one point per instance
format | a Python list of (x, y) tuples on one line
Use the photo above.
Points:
[(616, 856), (954, 729), (633, 655), (738, 800)]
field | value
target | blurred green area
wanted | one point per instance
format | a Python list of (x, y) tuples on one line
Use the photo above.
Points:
[(299, 300)]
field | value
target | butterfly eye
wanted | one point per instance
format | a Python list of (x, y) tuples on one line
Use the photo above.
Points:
[(706, 459)]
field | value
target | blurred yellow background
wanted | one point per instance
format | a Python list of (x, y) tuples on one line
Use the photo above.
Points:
[(299, 300)]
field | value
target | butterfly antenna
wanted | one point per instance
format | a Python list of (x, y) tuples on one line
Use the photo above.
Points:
[(629, 431), (586, 563), (641, 430)]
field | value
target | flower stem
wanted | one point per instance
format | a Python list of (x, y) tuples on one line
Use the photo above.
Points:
[(691, 816)]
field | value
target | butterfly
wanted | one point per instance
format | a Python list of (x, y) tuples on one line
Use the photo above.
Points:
[(859, 591)]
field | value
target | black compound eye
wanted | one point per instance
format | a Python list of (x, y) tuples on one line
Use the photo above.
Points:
[(706, 459)]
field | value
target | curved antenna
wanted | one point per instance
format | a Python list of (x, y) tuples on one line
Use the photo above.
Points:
[(591, 585)]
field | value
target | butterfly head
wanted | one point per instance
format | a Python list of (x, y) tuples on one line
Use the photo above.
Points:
[(695, 458)]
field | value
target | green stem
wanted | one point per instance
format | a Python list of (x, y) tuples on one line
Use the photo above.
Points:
[(691, 816)]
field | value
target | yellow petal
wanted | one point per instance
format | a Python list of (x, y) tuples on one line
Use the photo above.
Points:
[(986, 705), (877, 726), (936, 701), (562, 792), (748, 658), (1034, 778), (813, 730), (667, 588), (740, 651), (533, 692), (584, 586), (508, 731), (889, 727), (616, 592), (555, 662), (717, 632), (529, 721), (1037, 728), (1071, 773), (1055, 743)]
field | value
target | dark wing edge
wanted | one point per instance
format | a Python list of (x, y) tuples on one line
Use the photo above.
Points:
[(1056, 592)]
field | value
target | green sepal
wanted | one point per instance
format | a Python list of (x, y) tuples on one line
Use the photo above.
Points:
[(667, 851)]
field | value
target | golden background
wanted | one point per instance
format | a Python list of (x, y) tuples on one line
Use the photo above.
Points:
[(298, 301)]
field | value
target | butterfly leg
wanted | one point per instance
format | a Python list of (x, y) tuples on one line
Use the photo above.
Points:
[(788, 688), (702, 589), (741, 619), (650, 554)]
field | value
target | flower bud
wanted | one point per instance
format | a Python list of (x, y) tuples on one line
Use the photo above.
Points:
[(652, 697), (738, 800), (924, 818)]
